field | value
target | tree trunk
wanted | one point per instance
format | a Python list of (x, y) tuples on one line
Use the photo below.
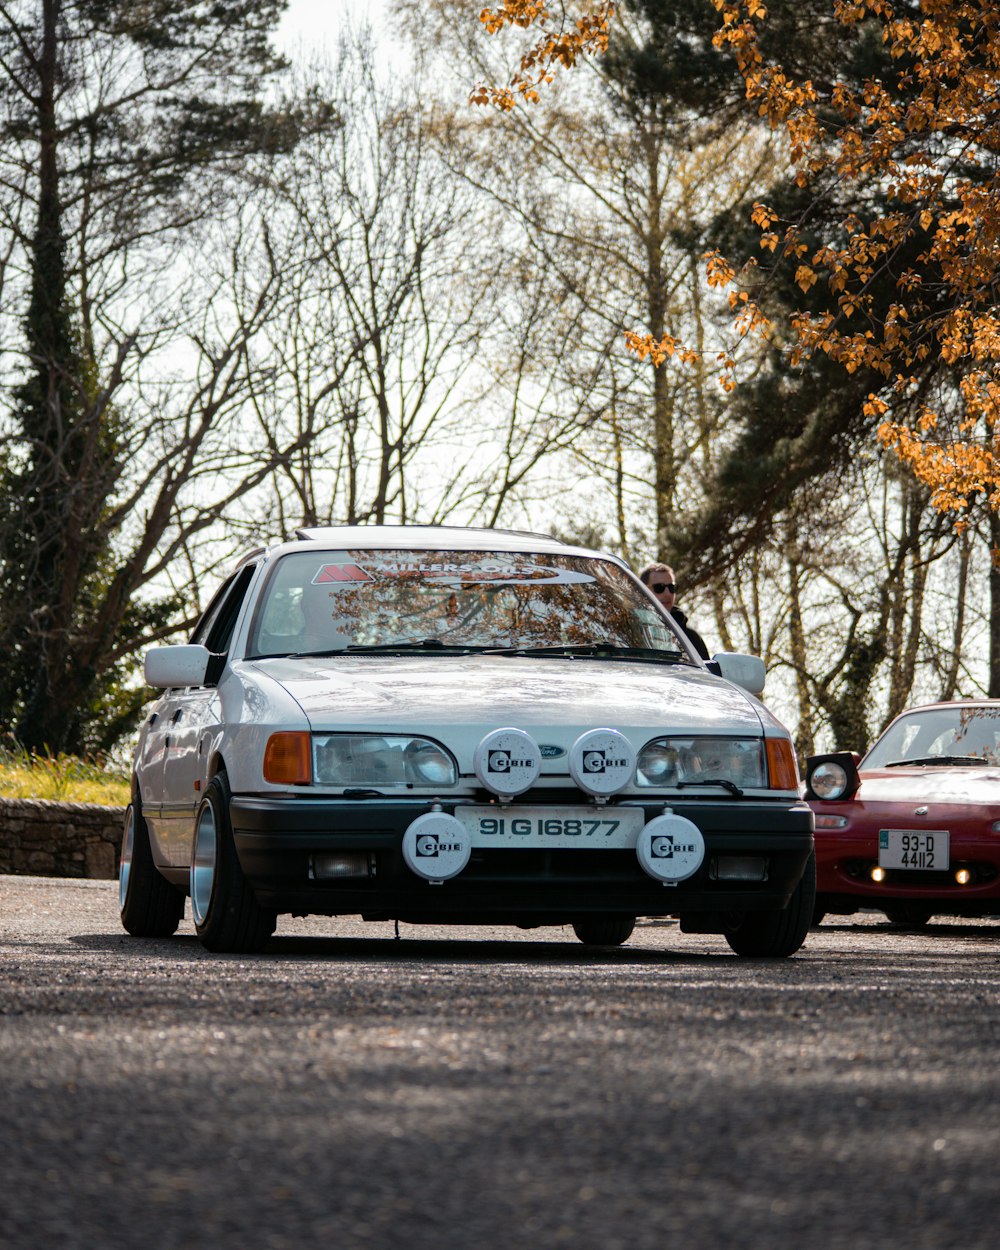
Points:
[(50, 404), (949, 686), (804, 741), (994, 683)]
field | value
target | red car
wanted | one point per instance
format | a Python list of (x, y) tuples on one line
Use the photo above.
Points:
[(913, 829)]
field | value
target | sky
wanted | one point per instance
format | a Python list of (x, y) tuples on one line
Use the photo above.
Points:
[(310, 22)]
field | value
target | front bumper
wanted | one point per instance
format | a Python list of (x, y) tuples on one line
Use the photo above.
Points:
[(276, 840), (844, 860)]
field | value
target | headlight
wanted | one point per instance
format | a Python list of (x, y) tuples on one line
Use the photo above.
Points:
[(378, 761), (828, 781), (657, 765), (429, 763), (670, 761)]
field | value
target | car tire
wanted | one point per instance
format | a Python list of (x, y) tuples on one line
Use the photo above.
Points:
[(604, 930), (149, 905), (226, 914), (776, 934), (908, 915)]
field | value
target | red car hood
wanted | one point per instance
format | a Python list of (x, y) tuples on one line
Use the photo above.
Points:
[(933, 784)]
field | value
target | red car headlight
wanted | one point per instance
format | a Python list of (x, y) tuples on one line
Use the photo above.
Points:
[(832, 777), (829, 781)]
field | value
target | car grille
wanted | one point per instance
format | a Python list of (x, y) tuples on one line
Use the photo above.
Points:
[(560, 865)]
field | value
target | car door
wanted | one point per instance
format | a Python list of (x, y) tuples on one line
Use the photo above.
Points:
[(189, 716), (149, 763)]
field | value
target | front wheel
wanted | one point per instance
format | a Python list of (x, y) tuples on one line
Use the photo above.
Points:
[(820, 909), (226, 914), (604, 930), (149, 905), (777, 934)]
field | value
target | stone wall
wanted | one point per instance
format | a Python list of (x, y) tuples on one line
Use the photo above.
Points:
[(39, 838)]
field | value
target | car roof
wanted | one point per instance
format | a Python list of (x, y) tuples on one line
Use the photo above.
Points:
[(951, 703), (428, 538)]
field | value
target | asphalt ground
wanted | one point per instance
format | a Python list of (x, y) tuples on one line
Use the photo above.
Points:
[(492, 1088)]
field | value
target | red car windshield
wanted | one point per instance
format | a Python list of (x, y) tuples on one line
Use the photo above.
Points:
[(327, 601), (939, 735)]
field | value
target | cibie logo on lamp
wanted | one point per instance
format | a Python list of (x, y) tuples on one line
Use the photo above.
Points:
[(602, 762), (436, 846), (670, 848), (507, 762)]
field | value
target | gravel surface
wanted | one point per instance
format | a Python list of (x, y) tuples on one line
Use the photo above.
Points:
[(491, 1087)]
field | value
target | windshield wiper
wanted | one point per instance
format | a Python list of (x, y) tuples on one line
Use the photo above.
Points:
[(602, 650), (385, 648), (407, 644), (937, 759), (726, 784)]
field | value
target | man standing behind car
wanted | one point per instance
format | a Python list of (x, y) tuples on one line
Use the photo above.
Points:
[(661, 581)]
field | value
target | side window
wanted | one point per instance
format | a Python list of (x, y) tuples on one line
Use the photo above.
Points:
[(215, 629), (656, 633)]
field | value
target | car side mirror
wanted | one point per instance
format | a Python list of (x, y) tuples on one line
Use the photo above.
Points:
[(747, 671), (182, 665)]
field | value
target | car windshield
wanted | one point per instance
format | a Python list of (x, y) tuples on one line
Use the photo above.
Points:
[(939, 735), (328, 601)]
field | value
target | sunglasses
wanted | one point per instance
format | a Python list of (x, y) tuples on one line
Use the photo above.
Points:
[(659, 587)]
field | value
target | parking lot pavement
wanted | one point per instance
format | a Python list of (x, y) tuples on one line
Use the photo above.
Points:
[(494, 1087)]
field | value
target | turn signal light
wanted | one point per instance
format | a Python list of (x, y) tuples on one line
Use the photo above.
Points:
[(830, 822), (782, 769), (287, 759)]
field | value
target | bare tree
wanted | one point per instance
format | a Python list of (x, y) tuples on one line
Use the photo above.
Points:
[(617, 183), (608, 191), (384, 322), (121, 129)]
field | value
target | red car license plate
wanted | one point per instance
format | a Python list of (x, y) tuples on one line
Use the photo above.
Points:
[(926, 850)]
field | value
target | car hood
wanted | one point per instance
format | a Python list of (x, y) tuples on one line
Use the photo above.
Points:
[(480, 693), (934, 784)]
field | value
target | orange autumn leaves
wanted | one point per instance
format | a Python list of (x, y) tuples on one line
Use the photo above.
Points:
[(925, 136), (561, 46)]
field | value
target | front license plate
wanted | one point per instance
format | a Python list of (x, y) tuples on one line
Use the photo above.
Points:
[(589, 828), (924, 849)]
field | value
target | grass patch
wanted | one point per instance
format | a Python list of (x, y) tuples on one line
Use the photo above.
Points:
[(63, 778)]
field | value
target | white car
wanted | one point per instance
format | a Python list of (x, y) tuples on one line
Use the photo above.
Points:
[(443, 725)]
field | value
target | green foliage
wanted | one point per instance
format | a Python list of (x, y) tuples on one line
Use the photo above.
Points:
[(675, 72), (848, 705), (64, 778), (789, 428), (114, 697)]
